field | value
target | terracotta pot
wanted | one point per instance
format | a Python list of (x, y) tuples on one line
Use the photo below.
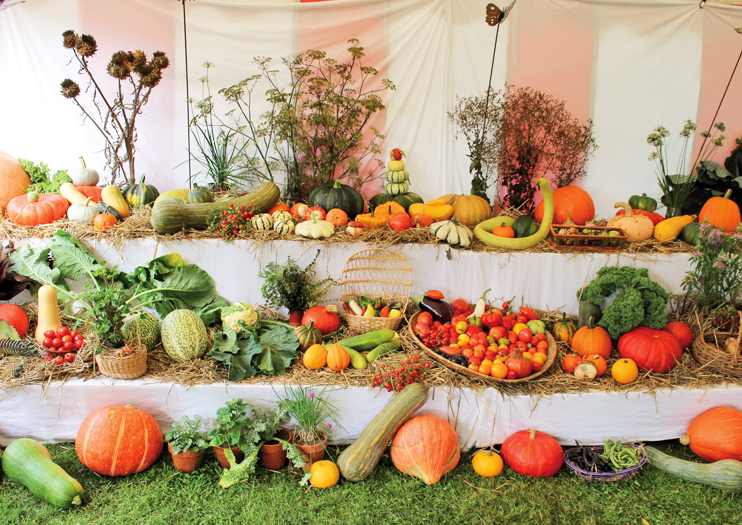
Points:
[(315, 452), (295, 317), (223, 461), (186, 460), (271, 454)]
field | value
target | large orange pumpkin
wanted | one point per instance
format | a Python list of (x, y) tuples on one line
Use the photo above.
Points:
[(592, 339), (569, 202), (652, 350), (533, 453), (16, 316), (118, 441), (32, 209), (470, 210), (716, 434), (13, 179), (721, 212), (426, 447)]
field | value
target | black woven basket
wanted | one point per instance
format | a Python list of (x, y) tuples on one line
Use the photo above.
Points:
[(606, 477)]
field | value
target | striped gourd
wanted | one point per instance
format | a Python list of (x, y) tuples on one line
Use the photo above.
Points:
[(262, 221), (184, 335), (358, 460), (170, 216), (725, 474), (284, 227), (281, 215), (396, 188), (141, 327), (397, 176)]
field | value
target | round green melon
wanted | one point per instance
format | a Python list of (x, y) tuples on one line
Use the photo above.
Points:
[(691, 233), (184, 335), (141, 326), (524, 226), (405, 199), (333, 194)]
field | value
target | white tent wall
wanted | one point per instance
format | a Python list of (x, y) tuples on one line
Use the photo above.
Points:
[(635, 65)]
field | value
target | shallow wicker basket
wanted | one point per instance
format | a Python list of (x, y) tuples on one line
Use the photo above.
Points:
[(377, 273), (708, 351), (606, 477), (129, 367)]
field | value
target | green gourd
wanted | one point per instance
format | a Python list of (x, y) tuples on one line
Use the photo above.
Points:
[(725, 474), (333, 194), (587, 310), (199, 195), (368, 340), (524, 226), (27, 462), (405, 200), (138, 195), (642, 202), (691, 232)]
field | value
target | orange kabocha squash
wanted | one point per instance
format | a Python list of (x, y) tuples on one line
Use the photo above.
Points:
[(388, 210), (426, 447), (592, 339), (721, 212), (13, 179), (716, 434)]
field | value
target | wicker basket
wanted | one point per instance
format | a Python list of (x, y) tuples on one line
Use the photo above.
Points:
[(606, 477), (129, 367), (377, 273), (551, 357), (708, 350)]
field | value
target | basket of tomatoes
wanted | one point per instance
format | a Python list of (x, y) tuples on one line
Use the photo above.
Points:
[(483, 342)]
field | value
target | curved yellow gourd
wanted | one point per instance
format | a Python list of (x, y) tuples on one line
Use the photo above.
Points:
[(669, 229), (483, 230)]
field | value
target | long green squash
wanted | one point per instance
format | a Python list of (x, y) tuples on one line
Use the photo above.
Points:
[(725, 474), (169, 216), (358, 460), (368, 340), (483, 230), (29, 463)]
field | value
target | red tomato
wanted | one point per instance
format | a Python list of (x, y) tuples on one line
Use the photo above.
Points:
[(512, 375), (421, 327), (425, 317), (498, 332), (51, 334), (458, 319), (537, 366), (521, 319), (69, 345), (538, 338), (435, 294), (450, 350), (48, 342), (74, 333), (66, 338), (508, 321), (492, 318), (473, 329), (520, 365), (59, 360), (530, 314), (78, 337), (69, 357), (47, 358), (570, 361), (525, 335), (79, 344), (436, 324), (460, 305), (489, 354), (475, 360), (62, 331), (512, 336), (57, 342), (523, 347)]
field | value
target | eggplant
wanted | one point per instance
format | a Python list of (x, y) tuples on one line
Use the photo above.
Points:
[(438, 308)]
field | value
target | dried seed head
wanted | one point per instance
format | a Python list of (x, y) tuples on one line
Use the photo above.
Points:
[(69, 39), (152, 78), (70, 89), (119, 67), (138, 59), (86, 45), (159, 60)]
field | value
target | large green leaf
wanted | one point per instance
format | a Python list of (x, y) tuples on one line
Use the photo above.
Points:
[(34, 264), (186, 287), (279, 349), (236, 352), (71, 257)]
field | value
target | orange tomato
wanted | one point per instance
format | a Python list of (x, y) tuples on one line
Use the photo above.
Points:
[(570, 361), (542, 344), (473, 367), (468, 352), (499, 369), (536, 338), (537, 366), (498, 332), (599, 362), (485, 369), (478, 351), (625, 371)]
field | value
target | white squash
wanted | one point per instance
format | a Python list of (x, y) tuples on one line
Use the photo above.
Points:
[(262, 221), (452, 232), (636, 227), (315, 229), (83, 212), (83, 176)]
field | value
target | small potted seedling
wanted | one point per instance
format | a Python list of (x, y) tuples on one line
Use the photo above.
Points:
[(186, 443)]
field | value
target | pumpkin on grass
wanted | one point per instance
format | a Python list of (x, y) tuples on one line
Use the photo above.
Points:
[(325, 474), (716, 434), (652, 350), (33, 209), (426, 447), (487, 463), (100, 446), (533, 453)]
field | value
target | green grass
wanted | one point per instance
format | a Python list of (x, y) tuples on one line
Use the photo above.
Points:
[(162, 495)]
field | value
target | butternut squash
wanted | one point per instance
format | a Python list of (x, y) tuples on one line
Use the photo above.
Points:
[(669, 229), (112, 196), (69, 191), (48, 318)]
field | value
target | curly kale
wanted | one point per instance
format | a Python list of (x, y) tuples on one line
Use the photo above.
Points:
[(639, 301)]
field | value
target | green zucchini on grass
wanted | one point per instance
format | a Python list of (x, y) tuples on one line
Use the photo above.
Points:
[(725, 474), (27, 462)]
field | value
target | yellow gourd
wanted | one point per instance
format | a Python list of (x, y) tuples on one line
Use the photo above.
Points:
[(70, 192), (439, 209), (370, 222), (669, 229), (48, 318), (112, 196), (637, 227)]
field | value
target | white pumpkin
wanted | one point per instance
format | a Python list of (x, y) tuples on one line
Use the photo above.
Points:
[(637, 227), (315, 229), (452, 232), (82, 212), (83, 176)]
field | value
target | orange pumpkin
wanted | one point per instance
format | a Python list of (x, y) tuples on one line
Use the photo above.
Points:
[(533, 453), (599, 362), (337, 358), (370, 222), (355, 228), (16, 316), (279, 206), (570, 202), (470, 210), (716, 434), (337, 217), (387, 210), (681, 332), (100, 446), (13, 179), (315, 357), (400, 221), (503, 231), (104, 221), (32, 209), (592, 339), (421, 220), (721, 212), (426, 447)]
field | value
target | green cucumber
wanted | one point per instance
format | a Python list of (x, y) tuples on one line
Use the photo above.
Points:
[(357, 361), (383, 348), (368, 340)]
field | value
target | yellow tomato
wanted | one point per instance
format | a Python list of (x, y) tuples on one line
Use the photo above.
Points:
[(518, 327), (539, 358), (499, 369), (528, 355), (463, 339)]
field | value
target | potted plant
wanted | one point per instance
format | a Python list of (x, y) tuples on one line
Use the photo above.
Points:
[(288, 286), (232, 431), (272, 453), (314, 416), (186, 444)]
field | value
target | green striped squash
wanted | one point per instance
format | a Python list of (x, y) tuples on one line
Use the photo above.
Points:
[(141, 327), (138, 195), (27, 462), (397, 176), (725, 474), (333, 194), (184, 335), (200, 195), (358, 460), (396, 188), (405, 199)]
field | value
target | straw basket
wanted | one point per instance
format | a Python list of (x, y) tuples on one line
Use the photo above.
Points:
[(605, 477), (129, 367), (376, 273), (708, 350)]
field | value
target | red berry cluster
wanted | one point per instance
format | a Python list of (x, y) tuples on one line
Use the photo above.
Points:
[(230, 223), (393, 377)]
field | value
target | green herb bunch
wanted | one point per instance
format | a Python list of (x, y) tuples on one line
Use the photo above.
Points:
[(230, 223), (108, 304), (234, 427), (42, 180), (311, 411), (288, 286), (186, 435)]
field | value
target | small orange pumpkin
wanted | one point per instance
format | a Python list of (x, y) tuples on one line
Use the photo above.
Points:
[(33, 209), (422, 220), (470, 210), (14, 179), (721, 212), (681, 332), (599, 362), (355, 228), (279, 206), (503, 231), (104, 221), (337, 217), (315, 357), (337, 358), (370, 222), (564, 330), (400, 221), (388, 210), (625, 371), (592, 339)]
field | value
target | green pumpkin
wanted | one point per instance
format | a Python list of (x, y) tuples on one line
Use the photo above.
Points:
[(588, 309), (333, 194), (642, 202), (524, 226), (405, 200), (138, 195), (199, 195), (690, 233)]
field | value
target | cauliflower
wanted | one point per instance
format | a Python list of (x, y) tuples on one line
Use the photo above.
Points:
[(239, 312)]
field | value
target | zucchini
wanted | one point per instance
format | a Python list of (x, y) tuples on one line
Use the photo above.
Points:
[(383, 348), (358, 460), (357, 361), (368, 340), (169, 216), (28, 462), (725, 474)]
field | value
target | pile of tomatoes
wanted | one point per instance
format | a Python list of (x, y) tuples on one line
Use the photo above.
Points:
[(62, 340), (500, 343)]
